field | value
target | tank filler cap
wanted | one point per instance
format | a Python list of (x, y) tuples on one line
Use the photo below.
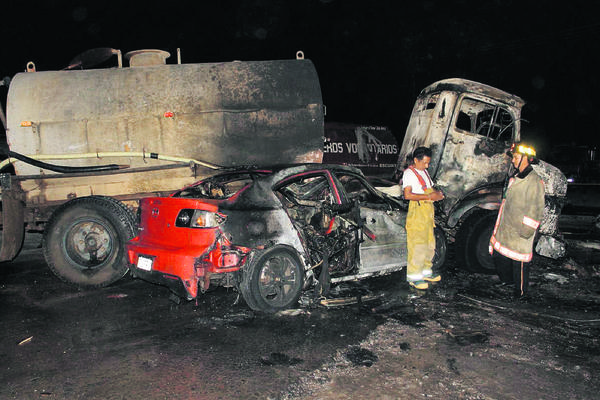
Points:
[(146, 58)]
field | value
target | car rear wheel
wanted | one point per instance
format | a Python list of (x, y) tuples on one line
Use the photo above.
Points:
[(472, 242), (84, 241), (272, 282)]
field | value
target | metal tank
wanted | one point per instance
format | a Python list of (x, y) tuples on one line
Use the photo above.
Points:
[(225, 114)]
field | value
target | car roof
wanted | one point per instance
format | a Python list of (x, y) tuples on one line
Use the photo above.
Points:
[(260, 194)]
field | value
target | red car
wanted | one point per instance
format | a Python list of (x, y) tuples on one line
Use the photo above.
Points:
[(271, 233)]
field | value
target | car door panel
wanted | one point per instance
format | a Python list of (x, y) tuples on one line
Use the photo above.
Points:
[(385, 248)]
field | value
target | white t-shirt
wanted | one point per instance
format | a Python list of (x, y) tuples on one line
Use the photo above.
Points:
[(410, 179)]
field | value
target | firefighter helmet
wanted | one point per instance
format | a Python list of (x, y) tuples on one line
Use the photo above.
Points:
[(525, 149)]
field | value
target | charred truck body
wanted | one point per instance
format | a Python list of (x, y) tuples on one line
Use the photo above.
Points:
[(86, 145), (469, 127)]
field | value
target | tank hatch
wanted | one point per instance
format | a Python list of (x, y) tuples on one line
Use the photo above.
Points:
[(146, 58)]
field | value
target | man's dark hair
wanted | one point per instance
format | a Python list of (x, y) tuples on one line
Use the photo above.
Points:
[(421, 152)]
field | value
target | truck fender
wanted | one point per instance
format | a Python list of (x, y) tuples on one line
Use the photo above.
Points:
[(13, 223), (487, 199)]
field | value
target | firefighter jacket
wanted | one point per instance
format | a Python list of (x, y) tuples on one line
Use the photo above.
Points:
[(520, 214)]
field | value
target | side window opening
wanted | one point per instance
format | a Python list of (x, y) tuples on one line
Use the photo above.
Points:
[(305, 199), (463, 122), (356, 190), (218, 187), (309, 190), (489, 120)]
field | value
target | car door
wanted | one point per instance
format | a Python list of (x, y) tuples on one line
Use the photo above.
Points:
[(384, 234)]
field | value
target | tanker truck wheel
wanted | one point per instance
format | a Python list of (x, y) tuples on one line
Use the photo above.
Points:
[(472, 250), (84, 241)]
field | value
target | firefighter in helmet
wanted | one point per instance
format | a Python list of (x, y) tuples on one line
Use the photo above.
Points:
[(519, 217)]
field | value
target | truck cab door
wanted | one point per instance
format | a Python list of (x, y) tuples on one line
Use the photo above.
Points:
[(479, 134)]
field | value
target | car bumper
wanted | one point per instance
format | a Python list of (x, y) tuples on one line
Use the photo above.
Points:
[(182, 269)]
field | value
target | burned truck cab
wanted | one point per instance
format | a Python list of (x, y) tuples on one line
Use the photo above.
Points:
[(469, 127)]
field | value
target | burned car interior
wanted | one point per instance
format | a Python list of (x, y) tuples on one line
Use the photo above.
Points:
[(329, 229)]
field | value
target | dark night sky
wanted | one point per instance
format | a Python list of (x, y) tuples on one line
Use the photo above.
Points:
[(373, 57)]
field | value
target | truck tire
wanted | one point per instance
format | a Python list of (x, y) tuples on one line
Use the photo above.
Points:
[(84, 239), (441, 250), (472, 242), (272, 281)]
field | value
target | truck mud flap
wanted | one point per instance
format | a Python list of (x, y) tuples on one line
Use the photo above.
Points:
[(13, 227)]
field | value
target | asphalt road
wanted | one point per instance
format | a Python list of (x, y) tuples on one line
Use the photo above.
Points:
[(129, 341)]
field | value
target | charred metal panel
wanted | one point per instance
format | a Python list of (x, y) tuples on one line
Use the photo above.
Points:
[(235, 113), (464, 167), (555, 185), (428, 125), (464, 85), (261, 228), (387, 248), (487, 198)]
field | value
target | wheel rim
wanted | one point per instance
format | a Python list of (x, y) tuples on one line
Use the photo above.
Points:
[(89, 244), (278, 280)]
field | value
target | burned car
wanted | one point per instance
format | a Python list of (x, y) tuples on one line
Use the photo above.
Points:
[(272, 233)]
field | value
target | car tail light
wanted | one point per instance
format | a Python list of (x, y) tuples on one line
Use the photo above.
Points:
[(189, 218)]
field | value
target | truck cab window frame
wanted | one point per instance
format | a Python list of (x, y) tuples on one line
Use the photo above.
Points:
[(485, 119)]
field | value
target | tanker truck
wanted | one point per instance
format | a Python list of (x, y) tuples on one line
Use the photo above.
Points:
[(85, 144)]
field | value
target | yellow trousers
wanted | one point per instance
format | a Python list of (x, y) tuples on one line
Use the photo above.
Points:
[(420, 239)]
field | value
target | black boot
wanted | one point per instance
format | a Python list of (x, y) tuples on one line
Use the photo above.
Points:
[(504, 268)]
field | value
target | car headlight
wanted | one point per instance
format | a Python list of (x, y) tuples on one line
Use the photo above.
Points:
[(189, 218)]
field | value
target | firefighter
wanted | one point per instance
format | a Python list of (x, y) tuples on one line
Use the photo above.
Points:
[(417, 187), (519, 217)]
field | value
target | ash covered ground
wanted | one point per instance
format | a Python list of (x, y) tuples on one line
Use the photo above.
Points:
[(464, 339), (468, 339)]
